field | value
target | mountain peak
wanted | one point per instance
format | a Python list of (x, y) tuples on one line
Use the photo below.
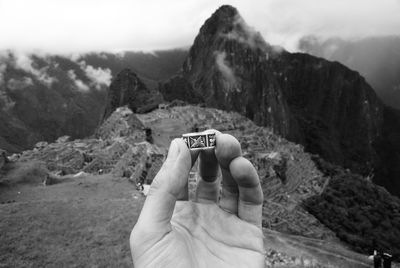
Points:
[(128, 89), (226, 23), (226, 11), (221, 21), (231, 67), (127, 72)]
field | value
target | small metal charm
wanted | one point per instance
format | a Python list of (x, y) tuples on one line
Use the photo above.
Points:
[(199, 140)]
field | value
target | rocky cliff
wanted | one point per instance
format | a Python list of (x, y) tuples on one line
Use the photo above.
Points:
[(127, 89), (323, 105), (333, 111)]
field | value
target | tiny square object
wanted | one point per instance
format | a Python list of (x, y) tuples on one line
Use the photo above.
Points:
[(199, 140)]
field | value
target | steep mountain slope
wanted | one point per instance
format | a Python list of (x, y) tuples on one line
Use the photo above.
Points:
[(376, 58), (387, 171), (42, 98), (227, 67), (334, 112), (325, 106), (128, 89)]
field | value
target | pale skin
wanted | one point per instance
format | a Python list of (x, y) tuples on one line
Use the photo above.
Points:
[(212, 230)]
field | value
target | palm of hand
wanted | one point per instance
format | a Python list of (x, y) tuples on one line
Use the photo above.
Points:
[(210, 238), (221, 229)]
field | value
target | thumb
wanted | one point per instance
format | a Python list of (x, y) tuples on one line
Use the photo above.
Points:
[(166, 187), (173, 175)]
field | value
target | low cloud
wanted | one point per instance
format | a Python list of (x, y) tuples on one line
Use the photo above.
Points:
[(78, 83), (24, 62), (285, 22), (224, 68), (245, 34), (99, 77)]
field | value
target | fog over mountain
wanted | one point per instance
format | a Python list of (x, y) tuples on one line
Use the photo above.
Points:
[(44, 96), (376, 58)]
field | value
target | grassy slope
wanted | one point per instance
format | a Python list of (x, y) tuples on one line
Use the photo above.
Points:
[(84, 222)]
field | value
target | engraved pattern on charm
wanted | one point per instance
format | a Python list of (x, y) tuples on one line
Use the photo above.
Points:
[(199, 141)]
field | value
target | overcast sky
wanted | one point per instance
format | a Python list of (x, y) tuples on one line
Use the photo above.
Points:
[(86, 25)]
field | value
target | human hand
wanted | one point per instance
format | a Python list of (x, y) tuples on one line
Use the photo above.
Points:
[(203, 233)]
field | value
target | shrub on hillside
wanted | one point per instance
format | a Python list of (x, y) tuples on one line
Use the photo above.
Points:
[(362, 214)]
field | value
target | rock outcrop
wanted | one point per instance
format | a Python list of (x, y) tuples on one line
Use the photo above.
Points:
[(323, 105), (333, 111), (127, 89)]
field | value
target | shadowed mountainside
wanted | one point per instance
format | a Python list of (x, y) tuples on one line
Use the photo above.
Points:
[(43, 96), (323, 105), (128, 89), (376, 58)]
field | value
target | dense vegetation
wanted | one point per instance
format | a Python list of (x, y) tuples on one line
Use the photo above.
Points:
[(362, 214)]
